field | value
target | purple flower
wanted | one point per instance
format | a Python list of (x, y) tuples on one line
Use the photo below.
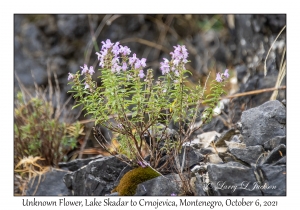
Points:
[(115, 68), (141, 74), (115, 60), (143, 163), (175, 54), (91, 70), (177, 51), (124, 66), (137, 64), (71, 76), (226, 74), (219, 78), (101, 54), (165, 70), (180, 54), (173, 194), (143, 62), (124, 50), (101, 57), (184, 52), (116, 49), (176, 61), (84, 69), (86, 86), (132, 59), (106, 44), (166, 61), (164, 66), (101, 64)]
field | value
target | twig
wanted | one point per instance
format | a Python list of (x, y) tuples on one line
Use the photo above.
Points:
[(255, 92)]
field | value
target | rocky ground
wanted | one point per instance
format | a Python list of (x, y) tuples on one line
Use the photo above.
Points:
[(251, 161), (249, 135)]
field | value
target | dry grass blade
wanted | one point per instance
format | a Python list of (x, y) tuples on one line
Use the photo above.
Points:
[(23, 89), (281, 75), (29, 168), (95, 35), (29, 165), (265, 66)]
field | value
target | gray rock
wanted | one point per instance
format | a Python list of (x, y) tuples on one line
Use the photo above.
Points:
[(274, 142), (199, 187), (97, 178), (203, 168), (192, 157), (232, 144), (207, 151), (231, 179), (281, 161), (160, 186), (249, 154), (263, 123), (274, 180), (195, 143), (214, 158), (68, 180), (203, 140), (76, 164), (236, 138), (195, 169), (113, 194), (49, 184), (276, 154), (228, 157), (222, 149), (241, 72), (70, 25), (216, 124), (225, 136)]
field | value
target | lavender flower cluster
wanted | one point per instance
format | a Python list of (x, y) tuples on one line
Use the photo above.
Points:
[(110, 55), (222, 76), (179, 59), (107, 60)]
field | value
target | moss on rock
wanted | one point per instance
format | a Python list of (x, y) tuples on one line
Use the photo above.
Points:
[(131, 179)]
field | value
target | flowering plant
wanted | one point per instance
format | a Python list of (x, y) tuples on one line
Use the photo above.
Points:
[(139, 109)]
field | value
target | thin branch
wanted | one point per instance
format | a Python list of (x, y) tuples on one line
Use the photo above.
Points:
[(254, 92)]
